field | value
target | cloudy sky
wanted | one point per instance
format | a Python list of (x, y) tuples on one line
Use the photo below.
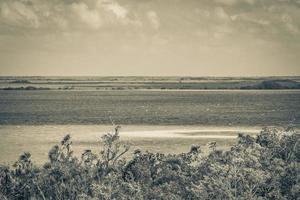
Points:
[(150, 37)]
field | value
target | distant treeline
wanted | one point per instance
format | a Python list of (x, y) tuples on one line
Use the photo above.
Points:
[(181, 84), (260, 168), (25, 88), (20, 81)]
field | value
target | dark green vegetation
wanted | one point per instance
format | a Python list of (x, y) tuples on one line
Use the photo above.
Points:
[(26, 88), (264, 167), (20, 81)]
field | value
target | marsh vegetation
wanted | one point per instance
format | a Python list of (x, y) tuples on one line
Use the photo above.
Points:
[(262, 167)]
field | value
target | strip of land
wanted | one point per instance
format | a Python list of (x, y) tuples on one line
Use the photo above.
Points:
[(148, 83)]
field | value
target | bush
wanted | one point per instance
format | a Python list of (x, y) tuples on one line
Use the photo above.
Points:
[(262, 167)]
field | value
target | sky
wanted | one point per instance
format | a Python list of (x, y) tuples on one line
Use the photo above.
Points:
[(150, 37)]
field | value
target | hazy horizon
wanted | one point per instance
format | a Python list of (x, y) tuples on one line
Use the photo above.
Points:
[(154, 76)]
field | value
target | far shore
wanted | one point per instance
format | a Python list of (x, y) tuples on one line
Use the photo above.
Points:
[(145, 90)]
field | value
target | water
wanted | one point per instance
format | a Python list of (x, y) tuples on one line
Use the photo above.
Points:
[(201, 108), (158, 121)]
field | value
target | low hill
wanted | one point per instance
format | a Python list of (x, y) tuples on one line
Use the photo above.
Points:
[(274, 84)]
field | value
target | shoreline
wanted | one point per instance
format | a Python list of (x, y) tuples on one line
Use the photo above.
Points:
[(134, 129), (39, 139), (153, 90)]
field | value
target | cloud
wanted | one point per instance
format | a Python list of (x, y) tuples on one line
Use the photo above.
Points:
[(292, 28), (87, 16), (235, 2), (226, 2), (16, 13), (153, 18), (248, 18), (289, 24), (242, 17), (64, 14), (221, 14), (116, 14), (117, 9), (61, 22)]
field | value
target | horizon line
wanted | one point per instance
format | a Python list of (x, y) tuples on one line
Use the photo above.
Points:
[(204, 76)]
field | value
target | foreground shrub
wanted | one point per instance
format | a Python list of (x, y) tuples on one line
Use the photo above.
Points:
[(261, 167)]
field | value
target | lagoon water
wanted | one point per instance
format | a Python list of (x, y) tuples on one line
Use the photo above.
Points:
[(203, 108), (159, 121)]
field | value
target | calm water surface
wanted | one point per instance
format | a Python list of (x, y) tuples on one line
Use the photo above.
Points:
[(203, 108)]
